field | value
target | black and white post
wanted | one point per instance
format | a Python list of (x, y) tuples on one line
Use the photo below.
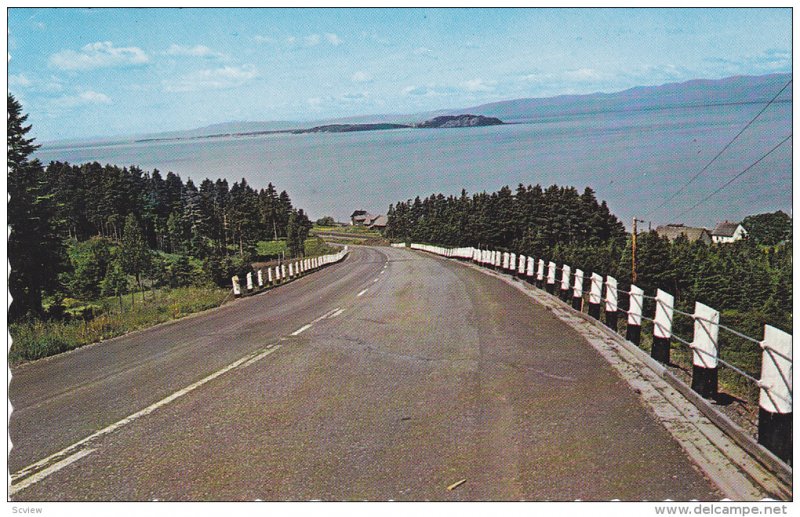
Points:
[(705, 351), (565, 277), (775, 398), (529, 272), (662, 326), (611, 303), (577, 290), (595, 296), (540, 274), (633, 331), (551, 277)]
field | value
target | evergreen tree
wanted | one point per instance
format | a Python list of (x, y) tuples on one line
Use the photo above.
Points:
[(35, 248), (135, 256)]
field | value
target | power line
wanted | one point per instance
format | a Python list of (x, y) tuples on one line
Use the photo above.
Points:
[(691, 180), (734, 178)]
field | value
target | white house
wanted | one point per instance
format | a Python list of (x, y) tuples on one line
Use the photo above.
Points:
[(728, 232)]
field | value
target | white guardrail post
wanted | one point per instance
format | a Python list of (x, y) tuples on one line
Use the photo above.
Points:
[(633, 331), (550, 287), (565, 278), (611, 303), (577, 290), (529, 270), (237, 290), (595, 295), (249, 278), (512, 262), (260, 275), (705, 351), (775, 399), (540, 274), (523, 260), (662, 326)]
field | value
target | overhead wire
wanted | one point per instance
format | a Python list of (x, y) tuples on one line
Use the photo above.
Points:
[(734, 178), (697, 175)]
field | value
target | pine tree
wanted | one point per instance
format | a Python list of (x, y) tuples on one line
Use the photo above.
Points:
[(135, 256), (35, 248)]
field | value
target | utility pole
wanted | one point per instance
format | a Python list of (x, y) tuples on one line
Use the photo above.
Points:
[(633, 253), (633, 249)]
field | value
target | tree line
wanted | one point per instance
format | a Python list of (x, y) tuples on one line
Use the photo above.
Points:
[(80, 230), (750, 279)]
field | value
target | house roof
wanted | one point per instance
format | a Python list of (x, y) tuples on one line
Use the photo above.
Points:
[(380, 220), (725, 229), (673, 231), (358, 213)]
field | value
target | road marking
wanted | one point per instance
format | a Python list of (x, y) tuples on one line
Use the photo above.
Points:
[(301, 329), (41, 469), (362, 292), (25, 483), (375, 280), (326, 315), (338, 312)]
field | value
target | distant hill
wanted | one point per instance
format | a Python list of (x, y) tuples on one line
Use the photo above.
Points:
[(699, 92), (448, 121)]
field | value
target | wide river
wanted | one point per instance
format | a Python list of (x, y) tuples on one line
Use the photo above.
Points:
[(633, 160)]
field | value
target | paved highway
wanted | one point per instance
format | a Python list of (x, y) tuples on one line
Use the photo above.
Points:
[(389, 376)]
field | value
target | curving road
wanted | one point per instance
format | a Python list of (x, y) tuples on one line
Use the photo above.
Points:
[(391, 375)]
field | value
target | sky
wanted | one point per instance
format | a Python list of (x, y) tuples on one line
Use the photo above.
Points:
[(85, 73)]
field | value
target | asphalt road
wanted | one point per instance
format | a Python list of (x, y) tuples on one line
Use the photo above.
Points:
[(389, 376)]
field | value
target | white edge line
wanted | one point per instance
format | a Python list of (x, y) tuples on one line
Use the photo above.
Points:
[(301, 329), (248, 359), (25, 483), (362, 292)]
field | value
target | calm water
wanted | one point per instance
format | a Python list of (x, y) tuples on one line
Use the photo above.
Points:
[(632, 160)]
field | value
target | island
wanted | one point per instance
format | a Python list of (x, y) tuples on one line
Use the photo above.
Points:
[(347, 128), (448, 121)]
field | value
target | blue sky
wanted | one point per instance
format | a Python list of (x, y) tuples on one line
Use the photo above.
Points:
[(82, 73)]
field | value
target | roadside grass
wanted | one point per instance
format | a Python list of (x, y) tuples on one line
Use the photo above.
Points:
[(354, 230), (36, 339), (271, 248), (314, 247), (92, 321)]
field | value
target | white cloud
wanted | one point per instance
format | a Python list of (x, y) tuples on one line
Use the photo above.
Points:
[(85, 98), (312, 40), (98, 55), (20, 80), (582, 74), (361, 77), (479, 85), (333, 39), (213, 79), (425, 91), (263, 39), (193, 51)]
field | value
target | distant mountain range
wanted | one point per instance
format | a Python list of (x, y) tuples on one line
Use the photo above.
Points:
[(698, 92)]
